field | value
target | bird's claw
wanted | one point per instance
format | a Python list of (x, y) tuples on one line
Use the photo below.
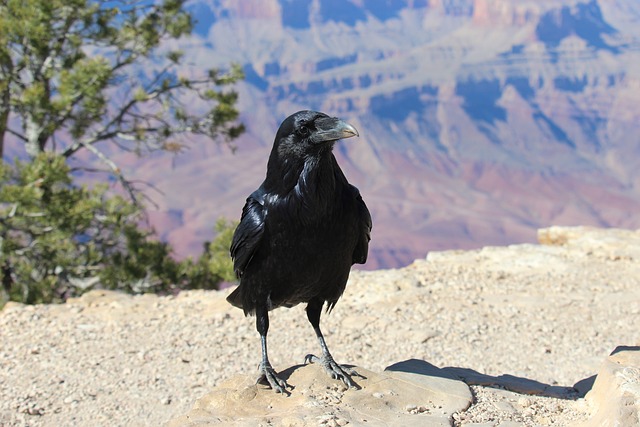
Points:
[(269, 376), (334, 370)]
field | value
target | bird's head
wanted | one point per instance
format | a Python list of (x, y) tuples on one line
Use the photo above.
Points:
[(309, 133)]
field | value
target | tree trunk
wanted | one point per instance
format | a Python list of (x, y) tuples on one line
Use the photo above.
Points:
[(4, 118), (33, 133)]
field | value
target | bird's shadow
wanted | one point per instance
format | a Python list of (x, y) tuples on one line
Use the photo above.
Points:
[(508, 382), (513, 383)]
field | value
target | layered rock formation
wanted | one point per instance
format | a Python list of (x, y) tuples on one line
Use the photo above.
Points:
[(480, 121)]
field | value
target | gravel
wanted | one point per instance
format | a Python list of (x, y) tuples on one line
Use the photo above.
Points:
[(548, 314)]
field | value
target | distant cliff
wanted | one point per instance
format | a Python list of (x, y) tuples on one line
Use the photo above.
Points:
[(480, 121)]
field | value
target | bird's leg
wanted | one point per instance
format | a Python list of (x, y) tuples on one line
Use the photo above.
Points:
[(335, 371), (266, 371)]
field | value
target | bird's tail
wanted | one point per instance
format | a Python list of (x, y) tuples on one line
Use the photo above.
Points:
[(235, 298)]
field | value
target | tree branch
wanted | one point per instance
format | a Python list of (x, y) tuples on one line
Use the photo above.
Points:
[(116, 170)]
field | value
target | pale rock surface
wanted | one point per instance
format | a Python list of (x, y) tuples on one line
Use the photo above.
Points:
[(614, 244), (616, 392), (410, 393)]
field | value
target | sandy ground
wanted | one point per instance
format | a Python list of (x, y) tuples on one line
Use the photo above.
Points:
[(512, 320)]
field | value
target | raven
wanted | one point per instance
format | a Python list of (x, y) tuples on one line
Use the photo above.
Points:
[(300, 233)]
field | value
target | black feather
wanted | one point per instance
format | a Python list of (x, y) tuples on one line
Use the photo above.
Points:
[(300, 232), (304, 227)]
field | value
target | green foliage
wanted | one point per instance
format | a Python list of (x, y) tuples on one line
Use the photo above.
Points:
[(53, 234), (75, 74), (214, 265), (62, 60), (59, 240), (219, 260)]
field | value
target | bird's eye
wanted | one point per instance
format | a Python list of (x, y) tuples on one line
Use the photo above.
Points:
[(304, 131)]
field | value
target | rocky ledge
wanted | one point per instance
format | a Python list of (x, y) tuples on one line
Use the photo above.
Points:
[(414, 393), (523, 335)]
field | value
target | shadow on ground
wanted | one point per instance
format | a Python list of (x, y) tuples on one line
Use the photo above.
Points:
[(505, 381)]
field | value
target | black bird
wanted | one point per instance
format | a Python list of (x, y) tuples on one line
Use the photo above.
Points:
[(300, 233)]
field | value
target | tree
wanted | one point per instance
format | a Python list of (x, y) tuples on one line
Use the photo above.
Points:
[(59, 240), (55, 238), (94, 75), (76, 73), (218, 260)]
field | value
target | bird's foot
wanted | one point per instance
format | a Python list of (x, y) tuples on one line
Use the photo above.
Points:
[(268, 375), (334, 370)]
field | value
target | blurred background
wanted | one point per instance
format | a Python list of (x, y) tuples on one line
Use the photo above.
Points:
[(480, 121)]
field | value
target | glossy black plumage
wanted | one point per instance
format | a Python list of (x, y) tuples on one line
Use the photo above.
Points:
[(300, 231)]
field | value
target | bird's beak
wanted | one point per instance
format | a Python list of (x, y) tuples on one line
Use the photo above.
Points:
[(332, 129)]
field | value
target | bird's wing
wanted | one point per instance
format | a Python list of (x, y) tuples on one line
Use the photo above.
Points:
[(249, 233), (364, 232)]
